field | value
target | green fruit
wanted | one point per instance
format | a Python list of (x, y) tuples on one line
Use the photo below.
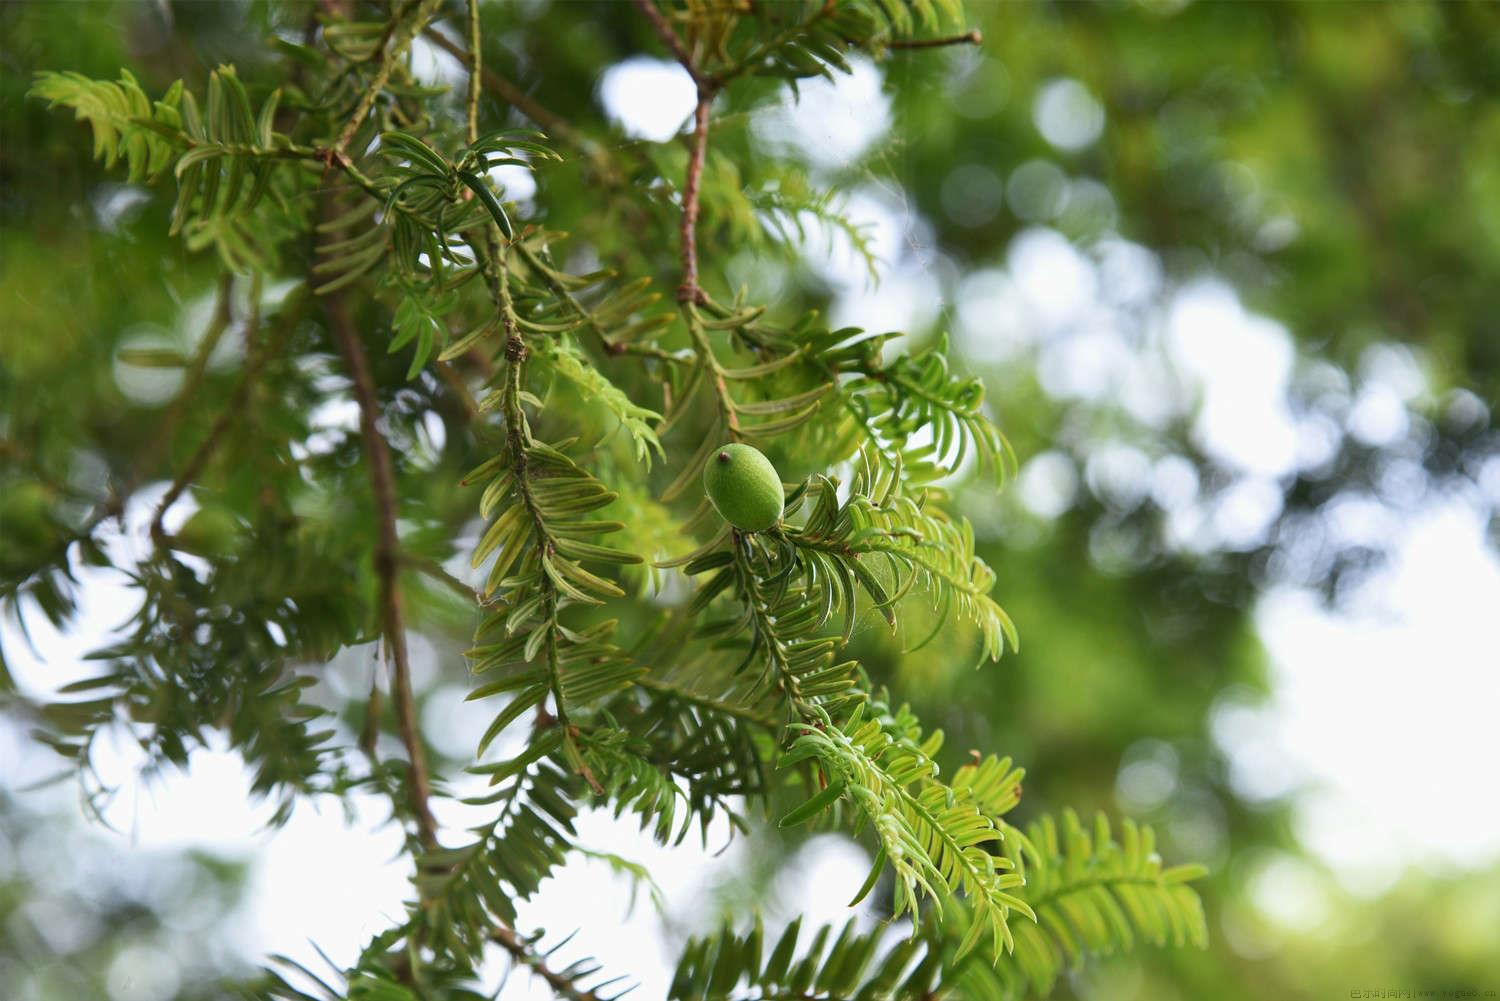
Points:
[(744, 487)]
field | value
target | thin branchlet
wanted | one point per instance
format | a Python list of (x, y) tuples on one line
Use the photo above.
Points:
[(973, 37), (688, 291), (559, 982), (387, 563), (668, 36)]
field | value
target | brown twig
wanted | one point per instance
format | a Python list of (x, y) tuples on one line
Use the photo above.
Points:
[(967, 38), (434, 570), (113, 505), (689, 291), (14, 451), (387, 560)]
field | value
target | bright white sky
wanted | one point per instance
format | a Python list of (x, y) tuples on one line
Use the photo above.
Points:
[(1395, 694)]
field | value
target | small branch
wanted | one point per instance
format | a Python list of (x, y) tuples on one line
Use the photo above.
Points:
[(689, 290), (967, 38), (387, 561), (734, 709), (764, 624), (722, 397), (493, 239), (433, 569), (562, 985), (518, 432), (658, 22), (541, 269), (648, 351), (14, 451), (323, 156), (192, 379), (1090, 882), (757, 54)]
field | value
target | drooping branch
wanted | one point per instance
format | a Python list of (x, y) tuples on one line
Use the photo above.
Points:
[(387, 561)]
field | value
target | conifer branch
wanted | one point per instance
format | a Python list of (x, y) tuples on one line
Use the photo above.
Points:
[(520, 446), (755, 664), (565, 296), (387, 562), (768, 633), (770, 45)]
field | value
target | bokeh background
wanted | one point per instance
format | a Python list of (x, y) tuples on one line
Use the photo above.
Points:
[(1231, 273)]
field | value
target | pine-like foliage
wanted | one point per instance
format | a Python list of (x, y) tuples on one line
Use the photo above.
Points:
[(941, 840), (124, 120), (636, 653), (1091, 896)]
